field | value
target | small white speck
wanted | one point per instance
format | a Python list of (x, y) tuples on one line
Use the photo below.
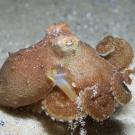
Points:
[(73, 84)]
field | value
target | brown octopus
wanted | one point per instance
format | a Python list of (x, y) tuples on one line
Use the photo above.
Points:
[(66, 77)]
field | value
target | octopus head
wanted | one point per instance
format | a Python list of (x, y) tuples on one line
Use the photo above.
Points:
[(63, 41), (65, 45)]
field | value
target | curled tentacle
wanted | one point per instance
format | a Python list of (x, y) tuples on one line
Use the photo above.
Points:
[(116, 50), (126, 76), (97, 103), (120, 91), (61, 102), (60, 107)]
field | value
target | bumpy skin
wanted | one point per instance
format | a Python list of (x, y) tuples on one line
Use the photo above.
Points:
[(96, 81), (59, 107), (120, 56), (22, 77)]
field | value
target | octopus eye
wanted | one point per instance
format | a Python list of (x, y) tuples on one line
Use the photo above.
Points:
[(68, 42), (59, 80), (65, 45)]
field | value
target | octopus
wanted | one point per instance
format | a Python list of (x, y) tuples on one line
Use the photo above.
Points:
[(67, 78)]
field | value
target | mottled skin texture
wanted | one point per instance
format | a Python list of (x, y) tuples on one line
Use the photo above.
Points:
[(22, 76), (122, 53), (97, 81)]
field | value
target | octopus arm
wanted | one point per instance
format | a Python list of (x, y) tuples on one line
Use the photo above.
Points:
[(119, 89), (58, 106), (97, 103), (116, 50)]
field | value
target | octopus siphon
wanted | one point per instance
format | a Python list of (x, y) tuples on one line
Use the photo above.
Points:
[(67, 78)]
